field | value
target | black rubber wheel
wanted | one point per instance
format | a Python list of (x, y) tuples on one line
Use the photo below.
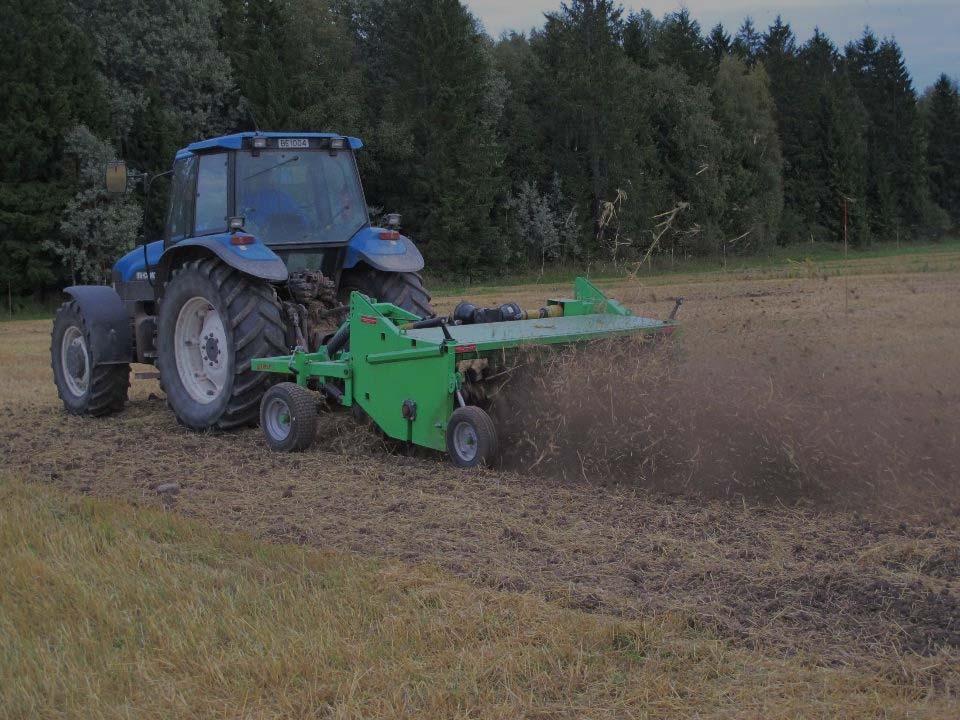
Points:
[(220, 319), (471, 438), (405, 289), (84, 388), (288, 417)]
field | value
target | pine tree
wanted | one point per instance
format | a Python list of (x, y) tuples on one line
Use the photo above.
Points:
[(897, 190), (719, 43), (640, 36), (681, 43), (943, 145), (681, 147), (587, 80), (753, 192), (778, 53), (47, 83), (439, 159), (520, 128), (294, 63), (746, 44), (841, 142)]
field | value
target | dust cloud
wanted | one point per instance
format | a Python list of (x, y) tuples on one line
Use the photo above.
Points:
[(760, 421)]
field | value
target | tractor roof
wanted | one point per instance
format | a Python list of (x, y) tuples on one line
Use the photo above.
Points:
[(235, 141)]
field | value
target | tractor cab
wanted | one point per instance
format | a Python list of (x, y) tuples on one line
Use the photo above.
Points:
[(266, 236), (283, 191), (276, 203)]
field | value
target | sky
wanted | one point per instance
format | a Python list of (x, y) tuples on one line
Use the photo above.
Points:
[(927, 31)]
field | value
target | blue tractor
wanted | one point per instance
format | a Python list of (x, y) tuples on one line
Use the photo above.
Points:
[(266, 235)]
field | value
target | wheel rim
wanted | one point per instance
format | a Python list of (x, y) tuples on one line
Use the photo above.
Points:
[(200, 343), (465, 441), (75, 361), (277, 419)]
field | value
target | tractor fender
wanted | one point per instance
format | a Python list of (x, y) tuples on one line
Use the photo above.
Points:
[(394, 255), (254, 259), (106, 319)]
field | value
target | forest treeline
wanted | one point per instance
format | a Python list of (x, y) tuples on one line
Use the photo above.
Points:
[(600, 135)]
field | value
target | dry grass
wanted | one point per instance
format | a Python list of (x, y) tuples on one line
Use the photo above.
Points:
[(110, 612), (816, 600)]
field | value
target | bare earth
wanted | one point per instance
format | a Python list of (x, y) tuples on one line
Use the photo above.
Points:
[(853, 558)]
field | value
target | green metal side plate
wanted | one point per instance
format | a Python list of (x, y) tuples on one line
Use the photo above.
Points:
[(548, 331)]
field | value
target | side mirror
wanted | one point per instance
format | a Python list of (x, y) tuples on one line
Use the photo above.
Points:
[(116, 177)]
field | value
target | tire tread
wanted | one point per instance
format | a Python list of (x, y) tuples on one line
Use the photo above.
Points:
[(109, 384), (254, 316)]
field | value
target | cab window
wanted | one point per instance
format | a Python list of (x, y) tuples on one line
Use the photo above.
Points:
[(181, 196), (211, 212)]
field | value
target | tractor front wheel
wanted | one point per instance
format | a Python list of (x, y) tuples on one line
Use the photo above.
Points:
[(84, 388), (213, 321)]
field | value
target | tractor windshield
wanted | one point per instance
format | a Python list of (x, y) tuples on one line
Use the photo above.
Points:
[(300, 196)]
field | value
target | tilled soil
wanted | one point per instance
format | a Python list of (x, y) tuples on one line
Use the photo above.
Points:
[(877, 584)]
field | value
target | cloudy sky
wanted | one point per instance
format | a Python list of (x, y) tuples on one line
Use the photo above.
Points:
[(928, 31)]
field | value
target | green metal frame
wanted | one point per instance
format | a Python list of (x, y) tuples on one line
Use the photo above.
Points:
[(388, 366)]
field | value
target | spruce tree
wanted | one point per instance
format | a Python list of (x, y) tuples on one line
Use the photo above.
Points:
[(440, 162), (812, 204), (294, 65), (47, 83), (778, 53), (520, 127), (719, 43), (640, 35), (841, 143), (751, 165), (943, 145), (897, 190), (587, 80), (746, 43), (681, 43)]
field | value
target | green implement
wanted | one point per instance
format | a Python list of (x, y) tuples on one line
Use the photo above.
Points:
[(414, 377)]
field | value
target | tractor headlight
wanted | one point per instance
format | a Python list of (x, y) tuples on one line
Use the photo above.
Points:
[(338, 144), (259, 143)]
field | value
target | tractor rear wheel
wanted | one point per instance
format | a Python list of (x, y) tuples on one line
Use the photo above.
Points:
[(403, 289), (84, 388), (213, 321)]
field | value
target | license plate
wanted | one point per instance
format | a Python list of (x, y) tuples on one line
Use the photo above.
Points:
[(293, 143)]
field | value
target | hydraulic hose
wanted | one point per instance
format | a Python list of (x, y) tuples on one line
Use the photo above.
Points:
[(339, 340)]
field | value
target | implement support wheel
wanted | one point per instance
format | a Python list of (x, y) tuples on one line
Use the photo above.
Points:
[(288, 417), (471, 437)]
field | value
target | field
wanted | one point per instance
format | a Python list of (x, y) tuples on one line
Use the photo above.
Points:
[(763, 522)]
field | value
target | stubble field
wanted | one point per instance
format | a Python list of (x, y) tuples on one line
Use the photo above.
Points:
[(785, 481)]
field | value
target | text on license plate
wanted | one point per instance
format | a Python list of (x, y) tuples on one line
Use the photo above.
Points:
[(293, 143)]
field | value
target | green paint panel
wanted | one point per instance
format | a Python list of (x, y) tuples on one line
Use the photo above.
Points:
[(390, 369), (494, 336)]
